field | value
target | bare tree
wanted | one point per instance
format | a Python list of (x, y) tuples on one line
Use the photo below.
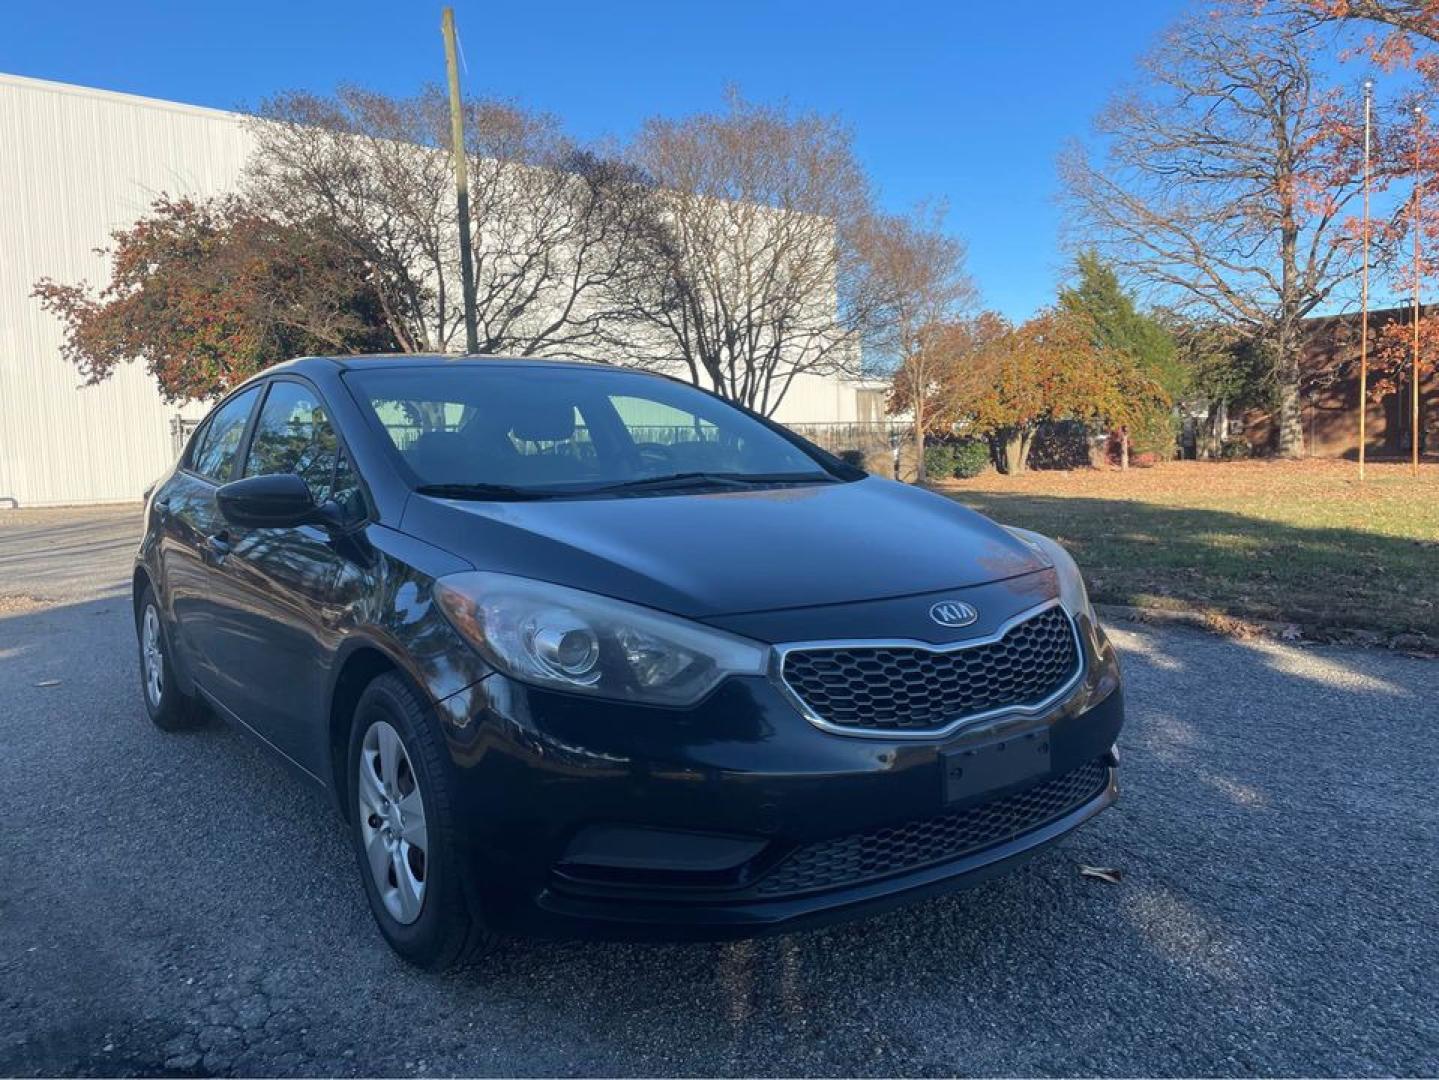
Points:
[(558, 232), (362, 170), (551, 223), (753, 275), (917, 275), (1227, 183)]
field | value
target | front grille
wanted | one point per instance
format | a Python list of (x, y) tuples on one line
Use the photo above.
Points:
[(915, 844), (905, 688)]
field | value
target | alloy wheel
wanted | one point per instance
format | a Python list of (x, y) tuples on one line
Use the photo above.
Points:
[(152, 656), (392, 822)]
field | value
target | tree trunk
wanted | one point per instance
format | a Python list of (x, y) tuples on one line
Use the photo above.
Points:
[(1289, 420), (1012, 450), (1290, 436), (1124, 448), (1219, 428), (920, 474)]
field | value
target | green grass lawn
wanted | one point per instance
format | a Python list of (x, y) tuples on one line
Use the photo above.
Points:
[(1296, 542)]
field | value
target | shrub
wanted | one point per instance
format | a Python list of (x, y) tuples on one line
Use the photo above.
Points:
[(1153, 438), (877, 461), (939, 461), (1156, 432), (970, 459), (1061, 444), (1235, 449)]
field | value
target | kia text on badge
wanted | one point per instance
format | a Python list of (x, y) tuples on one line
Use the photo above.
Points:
[(954, 613)]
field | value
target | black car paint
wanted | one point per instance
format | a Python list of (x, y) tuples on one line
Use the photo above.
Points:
[(742, 763), (725, 552), (280, 627), (293, 619)]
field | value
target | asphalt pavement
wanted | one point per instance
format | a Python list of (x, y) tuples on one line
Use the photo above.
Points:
[(183, 904)]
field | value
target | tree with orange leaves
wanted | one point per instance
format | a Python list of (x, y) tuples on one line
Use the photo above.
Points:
[(1401, 20), (1400, 35), (1391, 363), (208, 293), (1050, 368), (923, 381)]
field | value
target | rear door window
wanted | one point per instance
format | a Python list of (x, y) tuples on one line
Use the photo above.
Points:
[(219, 444)]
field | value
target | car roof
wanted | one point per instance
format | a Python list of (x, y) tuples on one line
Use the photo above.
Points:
[(417, 360)]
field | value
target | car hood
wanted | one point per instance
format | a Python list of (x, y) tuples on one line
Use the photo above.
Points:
[(728, 552)]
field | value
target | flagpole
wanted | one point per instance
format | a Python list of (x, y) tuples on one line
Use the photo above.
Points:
[(1414, 368), (1364, 318)]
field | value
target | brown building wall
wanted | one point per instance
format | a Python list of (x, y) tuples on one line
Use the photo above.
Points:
[(1330, 398)]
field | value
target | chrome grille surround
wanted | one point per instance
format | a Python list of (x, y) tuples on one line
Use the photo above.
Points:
[(782, 654)]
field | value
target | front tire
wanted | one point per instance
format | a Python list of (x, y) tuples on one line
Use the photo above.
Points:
[(402, 828), (169, 707)]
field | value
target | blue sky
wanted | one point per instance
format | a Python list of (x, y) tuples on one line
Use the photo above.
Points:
[(966, 102)]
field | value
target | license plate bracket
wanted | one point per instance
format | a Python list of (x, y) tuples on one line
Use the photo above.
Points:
[(1001, 763)]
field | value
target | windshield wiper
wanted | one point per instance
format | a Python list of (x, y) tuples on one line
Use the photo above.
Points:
[(699, 479), (496, 492)]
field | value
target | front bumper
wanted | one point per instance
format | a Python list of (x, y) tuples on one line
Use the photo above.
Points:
[(591, 819)]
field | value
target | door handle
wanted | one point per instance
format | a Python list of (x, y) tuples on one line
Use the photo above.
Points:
[(217, 547)]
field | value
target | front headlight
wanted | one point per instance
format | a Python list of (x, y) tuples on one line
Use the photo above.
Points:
[(585, 643), (1072, 594)]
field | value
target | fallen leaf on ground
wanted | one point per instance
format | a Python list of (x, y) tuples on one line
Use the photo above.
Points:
[(1110, 874), (48, 682), (18, 605)]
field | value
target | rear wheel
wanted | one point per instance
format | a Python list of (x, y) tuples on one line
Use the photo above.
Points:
[(170, 708), (403, 830)]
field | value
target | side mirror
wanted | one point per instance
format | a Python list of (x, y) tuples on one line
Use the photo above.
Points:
[(277, 501)]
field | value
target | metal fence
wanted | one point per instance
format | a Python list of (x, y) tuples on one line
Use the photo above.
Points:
[(180, 429), (868, 437)]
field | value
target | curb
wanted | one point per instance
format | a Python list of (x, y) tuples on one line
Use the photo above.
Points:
[(1217, 622)]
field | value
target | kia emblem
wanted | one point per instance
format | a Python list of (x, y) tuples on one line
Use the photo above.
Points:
[(953, 613)]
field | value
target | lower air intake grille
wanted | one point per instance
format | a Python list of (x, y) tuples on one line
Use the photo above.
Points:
[(898, 848)]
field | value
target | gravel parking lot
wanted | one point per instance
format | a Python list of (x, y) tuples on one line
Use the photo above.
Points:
[(182, 904)]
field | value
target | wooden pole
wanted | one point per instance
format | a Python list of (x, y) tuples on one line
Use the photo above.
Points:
[(462, 181), (1364, 288)]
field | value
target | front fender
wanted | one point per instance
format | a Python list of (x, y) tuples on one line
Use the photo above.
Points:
[(389, 592)]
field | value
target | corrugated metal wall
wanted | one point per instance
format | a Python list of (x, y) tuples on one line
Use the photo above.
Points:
[(76, 164), (818, 399)]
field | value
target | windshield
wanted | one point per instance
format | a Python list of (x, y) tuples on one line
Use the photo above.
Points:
[(506, 431)]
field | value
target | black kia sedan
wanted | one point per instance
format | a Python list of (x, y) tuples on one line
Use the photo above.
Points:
[(579, 650)]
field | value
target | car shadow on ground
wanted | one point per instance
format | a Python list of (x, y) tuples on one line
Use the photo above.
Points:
[(194, 906)]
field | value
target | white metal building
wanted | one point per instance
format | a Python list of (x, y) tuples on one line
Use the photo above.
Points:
[(75, 165)]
